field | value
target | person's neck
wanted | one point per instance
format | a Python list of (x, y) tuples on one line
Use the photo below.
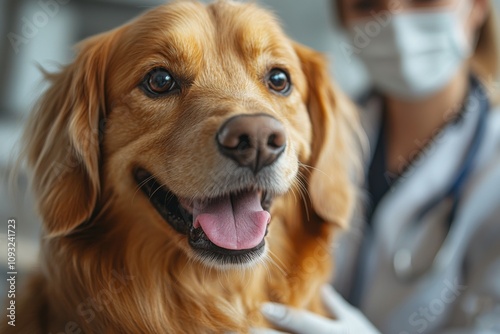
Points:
[(412, 124)]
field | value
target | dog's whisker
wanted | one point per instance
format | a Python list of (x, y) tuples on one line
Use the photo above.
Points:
[(267, 270), (309, 167), (221, 284), (142, 184), (295, 195), (303, 191), (297, 188), (274, 258), (266, 265), (154, 192)]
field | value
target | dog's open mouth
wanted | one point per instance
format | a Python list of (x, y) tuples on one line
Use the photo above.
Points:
[(229, 229)]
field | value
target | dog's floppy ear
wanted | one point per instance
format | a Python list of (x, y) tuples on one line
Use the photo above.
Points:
[(62, 139), (335, 150)]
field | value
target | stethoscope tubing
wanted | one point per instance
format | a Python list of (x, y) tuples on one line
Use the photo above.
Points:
[(454, 193)]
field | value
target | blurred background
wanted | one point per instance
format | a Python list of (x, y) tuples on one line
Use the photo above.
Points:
[(42, 32)]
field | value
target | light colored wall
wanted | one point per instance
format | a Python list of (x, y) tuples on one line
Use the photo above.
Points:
[(38, 37)]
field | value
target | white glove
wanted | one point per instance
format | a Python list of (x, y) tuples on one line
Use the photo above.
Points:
[(349, 319)]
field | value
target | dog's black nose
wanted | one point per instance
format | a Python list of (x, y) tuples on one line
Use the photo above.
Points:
[(253, 141)]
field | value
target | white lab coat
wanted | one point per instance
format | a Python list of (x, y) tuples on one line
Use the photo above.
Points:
[(461, 293)]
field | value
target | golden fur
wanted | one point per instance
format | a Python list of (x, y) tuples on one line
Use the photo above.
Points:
[(109, 262)]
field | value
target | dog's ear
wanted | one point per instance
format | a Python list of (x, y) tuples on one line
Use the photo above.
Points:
[(335, 149), (62, 139)]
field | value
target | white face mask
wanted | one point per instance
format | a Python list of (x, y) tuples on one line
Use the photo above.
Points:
[(413, 54)]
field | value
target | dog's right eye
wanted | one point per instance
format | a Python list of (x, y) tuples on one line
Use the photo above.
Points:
[(279, 81), (159, 82)]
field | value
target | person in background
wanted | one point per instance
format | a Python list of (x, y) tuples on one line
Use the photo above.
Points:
[(425, 256)]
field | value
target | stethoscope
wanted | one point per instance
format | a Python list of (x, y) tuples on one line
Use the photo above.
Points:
[(402, 259), (403, 264)]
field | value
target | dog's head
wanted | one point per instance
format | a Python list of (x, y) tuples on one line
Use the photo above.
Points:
[(211, 111)]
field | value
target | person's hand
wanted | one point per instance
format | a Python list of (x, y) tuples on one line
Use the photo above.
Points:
[(349, 319)]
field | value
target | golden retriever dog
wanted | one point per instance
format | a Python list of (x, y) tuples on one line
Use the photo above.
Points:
[(188, 166)]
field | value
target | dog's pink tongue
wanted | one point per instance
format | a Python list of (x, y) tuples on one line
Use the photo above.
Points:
[(233, 222)]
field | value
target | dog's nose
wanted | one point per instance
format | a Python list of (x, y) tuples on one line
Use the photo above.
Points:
[(253, 141)]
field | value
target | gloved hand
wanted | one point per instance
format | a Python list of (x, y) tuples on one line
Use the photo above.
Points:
[(349, 319)]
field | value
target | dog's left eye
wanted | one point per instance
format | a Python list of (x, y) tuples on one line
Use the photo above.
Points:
[(159, 81), (279, 81)]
